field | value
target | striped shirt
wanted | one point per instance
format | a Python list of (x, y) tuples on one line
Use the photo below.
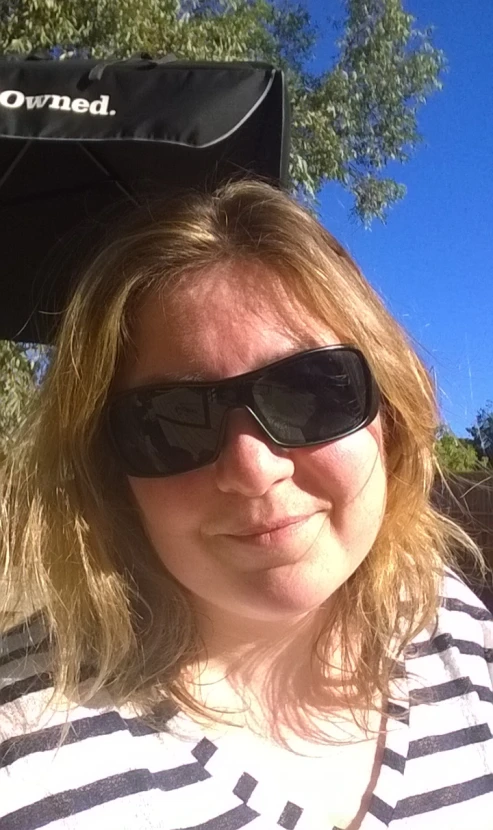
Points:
[(114, 772)]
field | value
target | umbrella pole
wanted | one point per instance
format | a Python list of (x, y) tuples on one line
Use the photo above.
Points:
[(15, 162), (128, 193)]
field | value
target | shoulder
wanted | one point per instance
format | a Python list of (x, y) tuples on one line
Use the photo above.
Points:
[(454, 654), (24, 660), (58, 762), (25, 679), (464, 615), (448, 748), (455, 595)]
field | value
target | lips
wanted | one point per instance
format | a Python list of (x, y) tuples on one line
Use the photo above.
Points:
[(271, 526)]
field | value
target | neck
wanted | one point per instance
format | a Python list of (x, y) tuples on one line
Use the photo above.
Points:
[(270, 675), (229, 638)]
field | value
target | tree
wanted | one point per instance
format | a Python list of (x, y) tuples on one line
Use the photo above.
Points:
[(482, 432), (348, 122), (19, 372), (456, 455)]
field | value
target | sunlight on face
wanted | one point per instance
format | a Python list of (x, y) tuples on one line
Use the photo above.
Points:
[(213, 527)]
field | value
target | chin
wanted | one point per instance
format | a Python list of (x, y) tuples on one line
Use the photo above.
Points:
[(286, 599)]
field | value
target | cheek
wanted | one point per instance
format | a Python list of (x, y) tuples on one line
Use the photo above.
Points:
[(346, 465), (169, 507), (351, 475)]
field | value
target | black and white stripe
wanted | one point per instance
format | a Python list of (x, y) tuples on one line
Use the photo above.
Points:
[(114, 771)]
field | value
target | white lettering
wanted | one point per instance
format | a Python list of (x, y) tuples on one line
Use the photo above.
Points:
[(80, 105), (14, 98), (60, 102), (36, 101), (100, 106), (11, 98)]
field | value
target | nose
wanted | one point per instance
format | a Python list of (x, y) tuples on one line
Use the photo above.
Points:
[(249, 462)]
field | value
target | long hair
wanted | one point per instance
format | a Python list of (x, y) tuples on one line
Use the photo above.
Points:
[(71, 535)]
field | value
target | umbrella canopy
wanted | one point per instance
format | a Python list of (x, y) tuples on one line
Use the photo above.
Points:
[(81, 140)]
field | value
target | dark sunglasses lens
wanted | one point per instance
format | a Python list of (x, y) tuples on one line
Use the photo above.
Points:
[(319, 397), (162, 433), (314, 397)]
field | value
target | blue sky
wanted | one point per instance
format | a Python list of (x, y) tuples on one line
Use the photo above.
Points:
[(432, 262)]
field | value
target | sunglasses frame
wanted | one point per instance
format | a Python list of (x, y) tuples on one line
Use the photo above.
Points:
[(237, 382)]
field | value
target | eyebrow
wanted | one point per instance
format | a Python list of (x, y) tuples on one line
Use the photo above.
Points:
[(171, 377), (198, 377)]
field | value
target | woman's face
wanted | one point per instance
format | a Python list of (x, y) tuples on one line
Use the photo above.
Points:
[(210, 527)]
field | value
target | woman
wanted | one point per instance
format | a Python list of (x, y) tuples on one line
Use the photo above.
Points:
[(248, 614)]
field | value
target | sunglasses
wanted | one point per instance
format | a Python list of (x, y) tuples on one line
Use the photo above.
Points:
[(314, 397)]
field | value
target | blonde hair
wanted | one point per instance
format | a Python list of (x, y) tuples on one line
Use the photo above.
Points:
[(71, 536)]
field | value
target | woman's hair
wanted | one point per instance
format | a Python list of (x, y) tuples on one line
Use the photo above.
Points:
[(71, 536)]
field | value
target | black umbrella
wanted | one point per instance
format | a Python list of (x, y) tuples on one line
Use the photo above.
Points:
[(80, 140)]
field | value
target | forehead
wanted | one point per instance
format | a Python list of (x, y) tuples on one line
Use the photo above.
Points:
[(225, 321)]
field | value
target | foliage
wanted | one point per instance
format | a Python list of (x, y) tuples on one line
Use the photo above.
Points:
[(348, 122), (20, 370), (482, 432), (456, 455)]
